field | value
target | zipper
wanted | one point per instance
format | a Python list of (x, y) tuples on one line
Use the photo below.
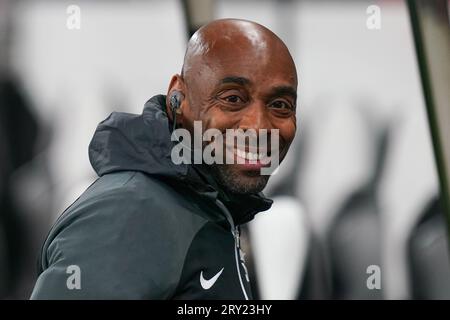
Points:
[(237, 231), (236, 236)]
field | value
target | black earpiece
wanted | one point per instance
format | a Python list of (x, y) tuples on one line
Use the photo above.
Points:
[(175, 101)]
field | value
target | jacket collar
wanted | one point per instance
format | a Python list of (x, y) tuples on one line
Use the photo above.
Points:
[(143, 143)]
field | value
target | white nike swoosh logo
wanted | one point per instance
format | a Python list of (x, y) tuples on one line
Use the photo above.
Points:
[(206, 284)]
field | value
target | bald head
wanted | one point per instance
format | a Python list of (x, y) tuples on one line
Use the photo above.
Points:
[(237, 74), (225, 40)]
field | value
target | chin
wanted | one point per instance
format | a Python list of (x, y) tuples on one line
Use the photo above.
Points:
[(239, 182)]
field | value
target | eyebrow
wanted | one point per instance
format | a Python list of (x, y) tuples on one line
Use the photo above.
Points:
[(274, 92), (283, 91), (239, 80)]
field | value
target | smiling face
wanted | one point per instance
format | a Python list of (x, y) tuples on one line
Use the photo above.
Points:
[(239, 75)]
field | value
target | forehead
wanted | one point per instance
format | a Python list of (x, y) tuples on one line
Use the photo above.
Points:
[(259, 60)]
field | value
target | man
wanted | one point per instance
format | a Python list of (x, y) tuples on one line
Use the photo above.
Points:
[(149, 228)]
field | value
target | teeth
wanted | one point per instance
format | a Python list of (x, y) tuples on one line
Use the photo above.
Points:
[(249, 155)]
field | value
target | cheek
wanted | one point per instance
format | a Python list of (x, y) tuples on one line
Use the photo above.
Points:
[(287, 135), (193, 111), (216, 118), (287, 130)]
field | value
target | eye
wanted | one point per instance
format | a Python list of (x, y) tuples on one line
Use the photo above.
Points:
[(282, 105), (233, 99)]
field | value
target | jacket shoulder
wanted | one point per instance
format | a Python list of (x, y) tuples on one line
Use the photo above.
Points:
[(129, 193), (126, 233)]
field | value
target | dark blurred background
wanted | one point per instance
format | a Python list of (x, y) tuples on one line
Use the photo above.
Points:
[(358, 192)]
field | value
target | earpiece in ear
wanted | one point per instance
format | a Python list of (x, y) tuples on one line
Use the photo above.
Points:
[(175, 101)]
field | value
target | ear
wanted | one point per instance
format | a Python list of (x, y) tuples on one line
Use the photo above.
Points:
[(176, 84)]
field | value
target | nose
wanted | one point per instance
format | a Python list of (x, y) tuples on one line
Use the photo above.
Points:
[(256, 117)]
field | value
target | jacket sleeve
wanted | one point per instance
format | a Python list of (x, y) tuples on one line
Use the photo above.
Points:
[(114, 246)]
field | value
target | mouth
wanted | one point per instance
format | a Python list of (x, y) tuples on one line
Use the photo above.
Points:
[(250, 160), (251, 156)]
